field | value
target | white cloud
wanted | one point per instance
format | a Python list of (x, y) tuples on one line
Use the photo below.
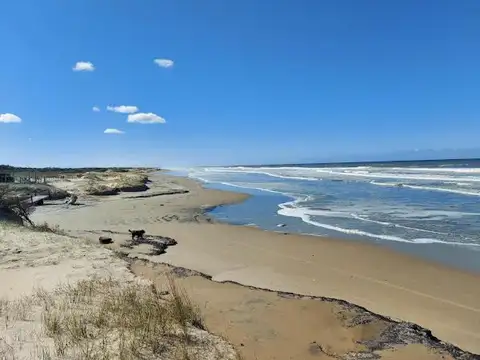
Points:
[(96, 109), (145, 118), (83, 66), (165, 63), (124, 109), (9, 118), (113, 131)]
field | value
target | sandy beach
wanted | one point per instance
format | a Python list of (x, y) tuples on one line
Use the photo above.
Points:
[(67, 297), (239, 180), (320, 296)]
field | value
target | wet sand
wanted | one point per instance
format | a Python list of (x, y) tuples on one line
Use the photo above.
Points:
[(268, 325), (444, 300)]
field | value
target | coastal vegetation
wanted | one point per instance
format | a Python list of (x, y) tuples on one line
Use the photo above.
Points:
[(100, 316)]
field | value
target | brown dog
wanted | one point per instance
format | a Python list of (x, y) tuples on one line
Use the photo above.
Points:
[(137, 233)]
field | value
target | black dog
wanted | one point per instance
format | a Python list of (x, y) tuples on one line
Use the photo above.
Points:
[(137, 233)]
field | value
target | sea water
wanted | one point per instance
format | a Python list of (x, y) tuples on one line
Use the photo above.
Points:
[(429, 208)]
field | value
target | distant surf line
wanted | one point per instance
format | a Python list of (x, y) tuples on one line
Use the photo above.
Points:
[(428, 188), (347, 173), (462, 180)]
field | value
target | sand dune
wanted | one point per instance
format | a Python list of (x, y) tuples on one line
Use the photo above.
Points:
[(44, 300)]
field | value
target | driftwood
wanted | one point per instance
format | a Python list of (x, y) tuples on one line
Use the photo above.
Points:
[(159, 243), (72, 200)]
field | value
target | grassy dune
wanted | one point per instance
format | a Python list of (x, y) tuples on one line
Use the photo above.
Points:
[(103, 319), (98, 314), (111, 183)]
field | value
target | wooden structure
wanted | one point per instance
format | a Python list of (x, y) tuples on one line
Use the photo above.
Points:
[(35, 200), (21, 177), (7, 176)]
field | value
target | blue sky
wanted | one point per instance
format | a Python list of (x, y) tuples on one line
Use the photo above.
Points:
[(251, 81)]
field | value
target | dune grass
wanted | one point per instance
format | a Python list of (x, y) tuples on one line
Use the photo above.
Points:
[(112, 183), (104, 319), (46, 227), (94, 187), (131, 182), (93, 176), (107, 319)]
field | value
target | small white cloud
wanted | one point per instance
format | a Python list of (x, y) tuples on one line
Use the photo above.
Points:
[(124, 109), (145, 118), (113, 131), (165, 63), (96, 109), (83, 66), (9, 118)]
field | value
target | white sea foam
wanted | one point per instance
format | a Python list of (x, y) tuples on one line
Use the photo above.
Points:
[(400, 176), (389, 224), (453, 191), (272, 174), (452, 175), (423, 215), (360, 168), (373, 182), (447, 170), (242, 186), (359, 212), (429, 188), (301, 174), (456, 183), (291, 207), (300, 213), (200, 178)]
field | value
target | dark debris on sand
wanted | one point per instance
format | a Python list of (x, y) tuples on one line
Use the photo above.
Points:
[(159, 243), (395, 333)]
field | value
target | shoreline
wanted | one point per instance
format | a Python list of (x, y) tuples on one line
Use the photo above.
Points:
[(397, 333), (383, 281), (454, 256), (354, 241)]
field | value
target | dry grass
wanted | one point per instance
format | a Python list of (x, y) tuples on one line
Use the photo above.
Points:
[(112, 182), (103, 319), (94, 187), (87, 319), (25, 190), (93, 176), (46, 227), (131, 182), (19, 310)]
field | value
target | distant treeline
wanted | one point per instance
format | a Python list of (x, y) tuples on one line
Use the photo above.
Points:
[(57, 169)]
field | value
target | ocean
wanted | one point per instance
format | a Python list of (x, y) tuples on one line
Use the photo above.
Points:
[(428, 208)]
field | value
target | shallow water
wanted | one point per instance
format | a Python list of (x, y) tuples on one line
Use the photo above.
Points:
[(430, 209)]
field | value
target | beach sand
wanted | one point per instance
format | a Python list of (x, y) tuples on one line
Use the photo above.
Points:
[(55, 285), (234, 263)]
